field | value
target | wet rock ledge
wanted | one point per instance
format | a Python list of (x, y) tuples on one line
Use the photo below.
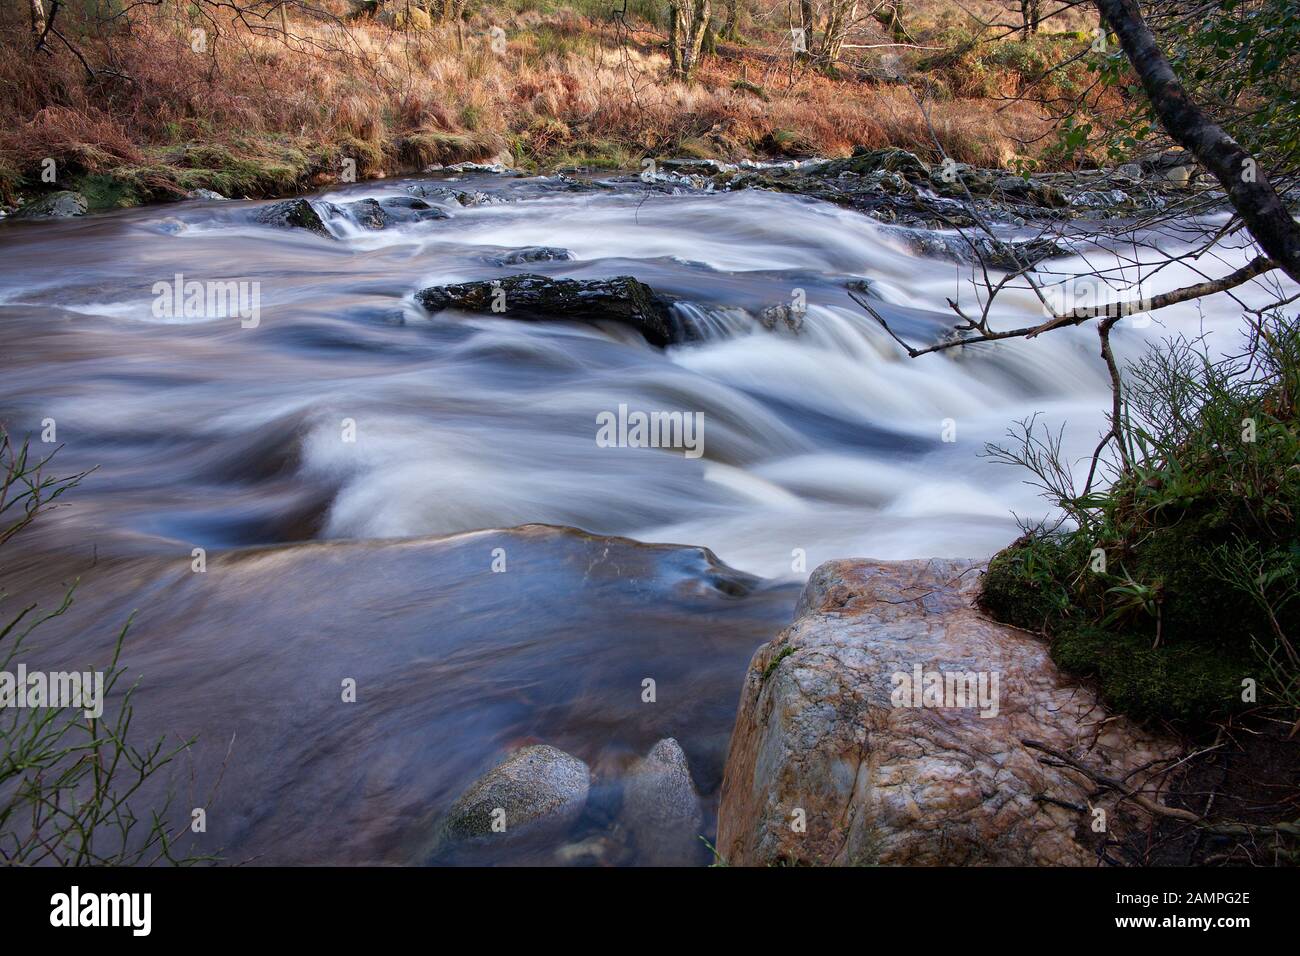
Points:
[(621, 299), (832, 763)]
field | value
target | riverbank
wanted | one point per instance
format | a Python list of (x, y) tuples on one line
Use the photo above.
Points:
[(344, 97)]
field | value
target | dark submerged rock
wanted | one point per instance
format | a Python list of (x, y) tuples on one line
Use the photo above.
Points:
[(531, 254), (1010, 255), (376, 214), (410, 209), (367, 213), (618, 299), (662, 808)]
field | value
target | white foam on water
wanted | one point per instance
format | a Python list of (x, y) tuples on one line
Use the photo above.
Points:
[(827, 441)]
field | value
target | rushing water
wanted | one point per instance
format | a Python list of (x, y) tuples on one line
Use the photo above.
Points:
[(824, 443)]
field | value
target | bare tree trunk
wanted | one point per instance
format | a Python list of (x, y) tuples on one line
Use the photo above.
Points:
[(890, 16), (699, 26), (806, 25), (38, 19), (838, 20), (1247, 186), (675, 29), (1030, 15), (688, 21), (729, 25)]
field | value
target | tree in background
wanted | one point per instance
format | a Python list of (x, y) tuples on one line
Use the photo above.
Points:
[(731, 23), (451, 10), (890, 16), (38, 19), (1030, 16), (807, 25), (1243, 58), (841, 16), (688, 22)]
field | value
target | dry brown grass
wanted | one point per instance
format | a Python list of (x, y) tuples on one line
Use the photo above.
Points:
[(278, 113)]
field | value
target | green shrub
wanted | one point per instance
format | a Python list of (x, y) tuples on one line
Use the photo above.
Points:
[(1179, 578)]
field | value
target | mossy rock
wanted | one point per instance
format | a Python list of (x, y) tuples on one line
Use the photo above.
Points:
[(1191, 681), (294, 214), (1022, 584), (104, 191), (1196, 605), (1041, 584), (743, 86), (412, 18), (891, 159), (63, 204)]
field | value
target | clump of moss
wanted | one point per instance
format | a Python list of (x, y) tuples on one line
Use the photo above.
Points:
[(1026, 583), (104, 191), (744, 86), (775, 662), (597, 154), (268, 168), (1178, 584), (1189, 680)]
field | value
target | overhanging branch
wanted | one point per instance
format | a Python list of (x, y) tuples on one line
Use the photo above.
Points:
[(1111, 311), (1248, 188)]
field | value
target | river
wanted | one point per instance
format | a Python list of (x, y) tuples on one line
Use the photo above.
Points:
[(330, 458)]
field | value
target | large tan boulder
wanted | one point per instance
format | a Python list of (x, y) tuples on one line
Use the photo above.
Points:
[(833, 762)]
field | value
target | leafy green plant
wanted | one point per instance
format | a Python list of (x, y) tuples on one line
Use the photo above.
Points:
[(1184, 540), (1133, 596)]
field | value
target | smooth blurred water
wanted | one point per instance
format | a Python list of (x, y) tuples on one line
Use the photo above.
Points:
[(818, 444), (828, 441)]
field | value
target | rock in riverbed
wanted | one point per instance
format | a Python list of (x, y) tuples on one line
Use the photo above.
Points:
[(1011, 255), (375, 214), (834, 761), (537, 787), (619, 299), (63, 204), (896, 186), (369, 214), (293, 214), (531, 254), (662, 809)]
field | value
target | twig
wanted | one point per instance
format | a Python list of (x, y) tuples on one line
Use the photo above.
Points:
[(1110, 782)]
